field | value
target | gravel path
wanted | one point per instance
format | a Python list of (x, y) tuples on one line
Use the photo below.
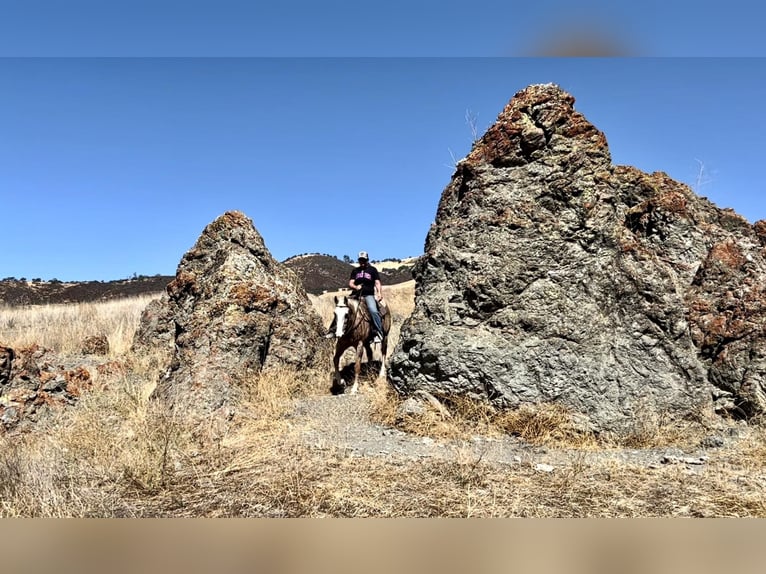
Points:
[(343, 422)]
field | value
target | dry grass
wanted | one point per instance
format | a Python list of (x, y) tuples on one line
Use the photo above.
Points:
[(117, 453), (400, 299), (546, 424), (394, 264), (64, 327), (81, 460), (461, 418)]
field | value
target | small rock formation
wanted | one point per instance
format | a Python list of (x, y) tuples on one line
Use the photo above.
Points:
[(235, 311), (36, 384), (6, 363), (95, 345), (551, 275)]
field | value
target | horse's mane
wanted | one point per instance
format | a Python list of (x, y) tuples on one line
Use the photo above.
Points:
[(358, 306), (359, 315)]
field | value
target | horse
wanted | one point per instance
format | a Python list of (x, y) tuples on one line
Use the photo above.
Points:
[(353, 328)]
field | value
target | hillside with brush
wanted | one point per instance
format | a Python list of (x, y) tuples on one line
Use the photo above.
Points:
[(318, 274)]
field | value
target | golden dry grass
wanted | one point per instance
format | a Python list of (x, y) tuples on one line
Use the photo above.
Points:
[(399, 297), (546, 424), (394, 264), (118, 453), (64, 327)]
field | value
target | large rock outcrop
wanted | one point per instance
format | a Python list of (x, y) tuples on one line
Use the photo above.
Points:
[(235, 311), (551, 275)]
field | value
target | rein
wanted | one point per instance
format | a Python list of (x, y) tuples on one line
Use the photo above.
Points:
[(358, 319), (358, 316)]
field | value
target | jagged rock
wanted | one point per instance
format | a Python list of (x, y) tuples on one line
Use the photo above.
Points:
[(235, 311), (6, 363), (95, 345), (156, 332), (38, 384), (550, 275)]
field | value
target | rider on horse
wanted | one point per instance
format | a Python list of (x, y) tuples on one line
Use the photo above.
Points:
[(365, 284)]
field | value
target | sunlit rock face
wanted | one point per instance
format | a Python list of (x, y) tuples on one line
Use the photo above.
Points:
[(235, 311), (551, 275)]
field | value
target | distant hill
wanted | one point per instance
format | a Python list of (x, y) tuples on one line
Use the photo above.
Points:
[(318, 273), (16, 292)]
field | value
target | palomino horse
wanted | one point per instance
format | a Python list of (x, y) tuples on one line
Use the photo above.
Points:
[(353, 328)]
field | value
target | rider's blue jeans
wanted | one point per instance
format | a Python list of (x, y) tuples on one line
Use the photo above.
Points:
[(372, 305)]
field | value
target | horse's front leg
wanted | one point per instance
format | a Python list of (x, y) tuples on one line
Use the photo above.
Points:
[(357, 368), (383, 350), (336, 380)]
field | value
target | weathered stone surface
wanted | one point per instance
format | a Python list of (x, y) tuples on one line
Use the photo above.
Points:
[(155, 335), (235, 311), (6, 363), (96, 345), (38, 384), (550, 275)]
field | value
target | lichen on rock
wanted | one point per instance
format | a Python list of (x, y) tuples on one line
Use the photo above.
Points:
[(234, 311), (551, 275)]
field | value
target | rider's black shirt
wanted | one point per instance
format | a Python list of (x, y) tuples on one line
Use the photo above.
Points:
[(366, 277)]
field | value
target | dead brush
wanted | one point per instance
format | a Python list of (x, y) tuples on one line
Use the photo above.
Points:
[(261, 422), (545, 424), (269, 393), (122, 438), (461, 417), (10, 469), (650, 430), (37, 481), (749, 451)]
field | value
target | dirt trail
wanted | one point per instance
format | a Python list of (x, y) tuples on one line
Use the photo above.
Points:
[(343, 422)]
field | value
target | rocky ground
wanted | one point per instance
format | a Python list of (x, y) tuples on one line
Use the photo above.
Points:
[(344, 422)]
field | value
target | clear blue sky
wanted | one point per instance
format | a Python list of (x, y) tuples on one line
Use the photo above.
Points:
[(121, 138), (298, 28), (113, 166)]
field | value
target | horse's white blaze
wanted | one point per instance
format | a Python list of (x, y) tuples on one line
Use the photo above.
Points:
[(340, 320)]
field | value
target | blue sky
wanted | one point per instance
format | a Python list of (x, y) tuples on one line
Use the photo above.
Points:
[(113, 166), (126, 126), (339, 28)]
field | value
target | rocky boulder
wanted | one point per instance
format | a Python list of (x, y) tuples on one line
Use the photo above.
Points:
[(38, 384), (6, 363), (235, 311), (95, 345), (551, 275)]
